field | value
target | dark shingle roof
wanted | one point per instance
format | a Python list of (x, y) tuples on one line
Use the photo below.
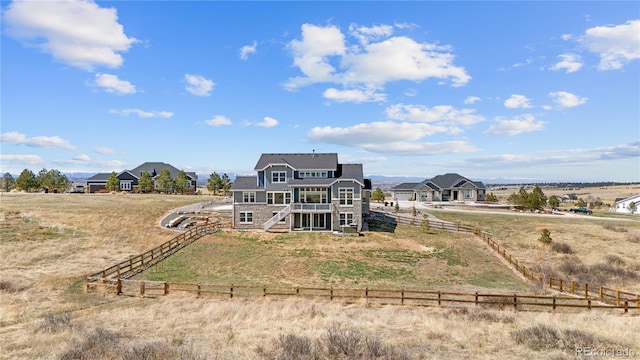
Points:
[(451, 180), (351, 172), (154, 168), (99, 177), (308, 161), (406, 186), (245, 183)]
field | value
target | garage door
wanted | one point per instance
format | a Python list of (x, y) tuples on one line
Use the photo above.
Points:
[(403, 195)]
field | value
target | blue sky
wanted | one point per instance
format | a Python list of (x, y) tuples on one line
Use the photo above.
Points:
[(548, 91)]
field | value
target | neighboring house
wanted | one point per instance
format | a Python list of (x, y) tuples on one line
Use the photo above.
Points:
[(447, 187), (622, 205), (311, 192), (129, 178)]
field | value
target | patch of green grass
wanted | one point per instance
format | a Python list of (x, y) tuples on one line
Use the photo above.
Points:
[(358, 270)]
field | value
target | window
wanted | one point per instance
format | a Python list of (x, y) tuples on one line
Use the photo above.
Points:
[(125, 185), (346, 218), (249, 197), (278, 198), (283, 220), (313, 195), (246, 217), (278, 176), (468, 193), (313, 174), (346, 196)]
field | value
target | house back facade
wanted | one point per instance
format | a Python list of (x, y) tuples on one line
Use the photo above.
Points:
[(304, 191), (624, 205), (129, 178), (447, 187)]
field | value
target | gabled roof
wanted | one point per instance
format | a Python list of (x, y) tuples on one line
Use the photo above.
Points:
[(632, 197), (306, 161), (451, 180), (154, 168), (245, 183), (99, 177), (406, 186), (345, 172)]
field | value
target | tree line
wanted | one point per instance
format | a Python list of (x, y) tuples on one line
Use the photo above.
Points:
[(47, 180)]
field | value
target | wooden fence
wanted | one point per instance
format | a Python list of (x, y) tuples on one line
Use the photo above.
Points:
[(136, 264), (373, 296), (599, 293)]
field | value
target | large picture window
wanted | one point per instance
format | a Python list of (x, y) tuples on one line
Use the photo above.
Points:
[(346, 196), (246, 217), (468, 193), (278, 176), (249, 197), (313, 195), (278, 198)]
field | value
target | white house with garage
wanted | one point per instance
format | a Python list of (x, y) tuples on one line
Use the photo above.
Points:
[(447, 187), (624, 205)]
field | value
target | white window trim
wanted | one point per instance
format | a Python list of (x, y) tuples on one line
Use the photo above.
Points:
[(125, 185), (347, 190), (245, 213), (278, 173), (248, 193), (284, 197), (346, 216)]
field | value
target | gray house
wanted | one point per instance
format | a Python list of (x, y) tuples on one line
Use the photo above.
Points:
[(311, 192), (129, 178), (447, 187)]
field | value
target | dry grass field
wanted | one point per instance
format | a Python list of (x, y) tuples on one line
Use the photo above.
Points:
[(48, 243)]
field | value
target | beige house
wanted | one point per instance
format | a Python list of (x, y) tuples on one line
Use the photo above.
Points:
[(447, 187)]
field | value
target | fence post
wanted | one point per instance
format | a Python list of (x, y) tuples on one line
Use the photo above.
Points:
[(586, 292), (617, 297), (198, 293), (476, 298), (366, 295), (601, 293), (573, 287), (589, 303), (550, 282), (231, 292), (166, 288), (554, 303), (331, 294), (626, 306), (142, 288), (515, 302), (560, 284), (119, 287), (264, 291), (439, 298), (402, 297)]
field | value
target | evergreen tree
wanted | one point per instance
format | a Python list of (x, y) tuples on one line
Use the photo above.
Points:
[(225, 183), (145, 184), (214, 183), (378, 195), (165, 181), (113, 183), (581, 203), (26, 181), (632, 207), (554, 201), (8, 182), (182, 182), (545, 237), (536, 200), (491, 197)]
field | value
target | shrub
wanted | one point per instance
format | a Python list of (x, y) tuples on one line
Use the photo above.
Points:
[(11, 286), (615, 228), (562, 248), (634, 238), (614, 260), (54, 322), (539, 337)]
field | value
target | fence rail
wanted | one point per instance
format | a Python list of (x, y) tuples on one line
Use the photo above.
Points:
[(377, 296), (599, 293), (139, 263)]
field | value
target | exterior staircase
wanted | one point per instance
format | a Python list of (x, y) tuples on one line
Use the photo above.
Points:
[(277, 217)]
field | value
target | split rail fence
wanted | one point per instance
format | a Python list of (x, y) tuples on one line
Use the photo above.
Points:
[(371, 296), (598, 293), (136, 264)]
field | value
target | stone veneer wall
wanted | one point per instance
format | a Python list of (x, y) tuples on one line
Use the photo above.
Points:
[(356, 209), (261, 213)]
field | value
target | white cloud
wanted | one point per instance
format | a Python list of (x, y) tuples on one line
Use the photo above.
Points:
[(198, 85), (616, 45), (111, 84), (569, 63), (368, 63), (567, 99), (38, 141), (78, 33), (267, 122), (143, 113), (366, 34), (517, 102), (248, 49), (471, 100), (23, 159), (104, 150), (373, 134), (218, 120), (520, 124), (441, 114), (82, 157), (354, 95)]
